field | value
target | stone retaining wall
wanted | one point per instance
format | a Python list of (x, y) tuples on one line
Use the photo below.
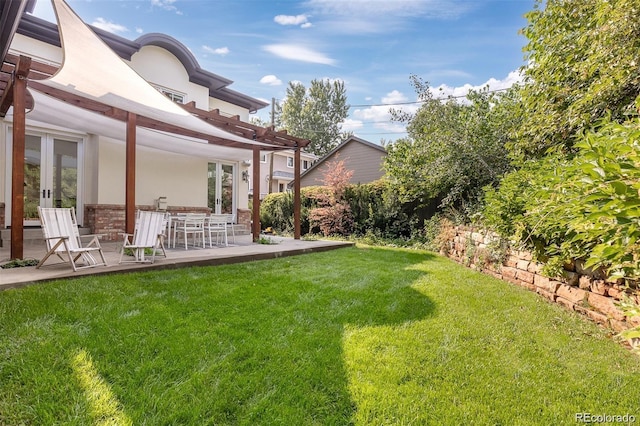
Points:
[(579, 289)]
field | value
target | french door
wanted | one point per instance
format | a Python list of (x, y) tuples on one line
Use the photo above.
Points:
[(221, 188), (51, 175)]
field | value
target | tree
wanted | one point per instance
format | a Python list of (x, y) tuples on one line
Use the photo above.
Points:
[(583, 65), (333, 214), (453, 148), (315, 114)]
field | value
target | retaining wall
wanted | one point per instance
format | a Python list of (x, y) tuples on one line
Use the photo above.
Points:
[(579, 289)]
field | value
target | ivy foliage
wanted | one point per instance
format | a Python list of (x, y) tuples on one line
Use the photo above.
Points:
[(583, 65), (587, 206)]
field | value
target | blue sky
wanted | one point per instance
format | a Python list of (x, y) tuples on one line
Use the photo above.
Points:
[(373, 46)]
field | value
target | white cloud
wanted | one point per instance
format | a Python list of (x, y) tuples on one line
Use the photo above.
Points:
[(350, 125), (103, 24), (271, 80), (166, 5), (216, 51), (306, 25), (292, 20), (494, 84), (366, 16), (394, 97), (299, 53), (139, 30), (399, 8)]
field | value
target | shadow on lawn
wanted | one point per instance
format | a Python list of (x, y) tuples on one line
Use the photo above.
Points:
[(258, 343), (271, 351)]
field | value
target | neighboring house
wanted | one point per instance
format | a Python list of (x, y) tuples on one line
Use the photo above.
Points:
[(77, 136), (276, 170), (363, 157)]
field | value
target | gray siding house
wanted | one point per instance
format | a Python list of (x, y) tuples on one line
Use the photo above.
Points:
[(363, 157)]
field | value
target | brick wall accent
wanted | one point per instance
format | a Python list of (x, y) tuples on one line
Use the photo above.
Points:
[(579, 289), (244, 218), (109, 219)]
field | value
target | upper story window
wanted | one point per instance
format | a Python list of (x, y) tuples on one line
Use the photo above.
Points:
[(176, 97), (263, 158), (289, 161), (305, 164)]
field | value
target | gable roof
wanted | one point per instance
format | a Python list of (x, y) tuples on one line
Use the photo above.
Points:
[(352, 139)]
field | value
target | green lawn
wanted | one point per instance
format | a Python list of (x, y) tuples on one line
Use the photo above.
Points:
[(357, 335)]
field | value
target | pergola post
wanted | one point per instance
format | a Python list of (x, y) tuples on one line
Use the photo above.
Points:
[(255, 221), (130, 175), (296, 193), (19, 83)]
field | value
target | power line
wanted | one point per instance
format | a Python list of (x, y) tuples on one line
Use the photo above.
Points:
[(416, 102), (421, 102)]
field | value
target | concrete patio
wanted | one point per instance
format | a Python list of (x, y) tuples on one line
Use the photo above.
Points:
[(243, 250)]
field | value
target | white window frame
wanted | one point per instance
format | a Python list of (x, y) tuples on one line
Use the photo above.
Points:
[(174, 95), (290, 162)]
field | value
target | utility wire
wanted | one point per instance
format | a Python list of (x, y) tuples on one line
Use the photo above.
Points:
[(415, 102)]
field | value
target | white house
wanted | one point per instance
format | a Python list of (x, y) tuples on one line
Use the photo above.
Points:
[(103, 131)]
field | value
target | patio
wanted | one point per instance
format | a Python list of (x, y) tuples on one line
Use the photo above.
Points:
[(244, 250)]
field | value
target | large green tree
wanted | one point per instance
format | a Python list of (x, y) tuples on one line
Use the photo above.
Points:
[(453, 148), (583, 65), (315, 114)]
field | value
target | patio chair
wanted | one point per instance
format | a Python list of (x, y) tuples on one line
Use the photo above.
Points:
[(231, 220), (191, 223), (217, 224), (147, 235), (60, 230)]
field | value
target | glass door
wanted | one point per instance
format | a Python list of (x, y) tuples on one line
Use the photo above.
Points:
[(50, 174), (221, 188)]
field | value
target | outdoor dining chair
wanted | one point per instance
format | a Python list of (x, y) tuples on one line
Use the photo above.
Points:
[(217, 224), (147, 235), (61, 234), (191, 224), (231, 220)]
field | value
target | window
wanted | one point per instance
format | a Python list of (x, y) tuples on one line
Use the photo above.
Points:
[(263, 158), (281, 187), (176, 97), (305, 164), (289, 161)]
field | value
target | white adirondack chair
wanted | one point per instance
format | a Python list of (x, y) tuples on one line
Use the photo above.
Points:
[(148, 234), (60, 230)]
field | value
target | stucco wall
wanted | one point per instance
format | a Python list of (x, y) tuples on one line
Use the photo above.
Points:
[(158, 66), (182, 179)]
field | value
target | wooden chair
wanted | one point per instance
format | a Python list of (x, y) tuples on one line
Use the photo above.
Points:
[(147, 235), (60, 230)]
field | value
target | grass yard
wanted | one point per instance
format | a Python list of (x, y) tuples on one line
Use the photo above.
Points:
[(352, 336)]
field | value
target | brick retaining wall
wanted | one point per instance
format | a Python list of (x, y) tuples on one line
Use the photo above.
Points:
[(579, 289)]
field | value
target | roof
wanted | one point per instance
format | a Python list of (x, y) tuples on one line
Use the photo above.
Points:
[(94, 95), (337, 148)]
